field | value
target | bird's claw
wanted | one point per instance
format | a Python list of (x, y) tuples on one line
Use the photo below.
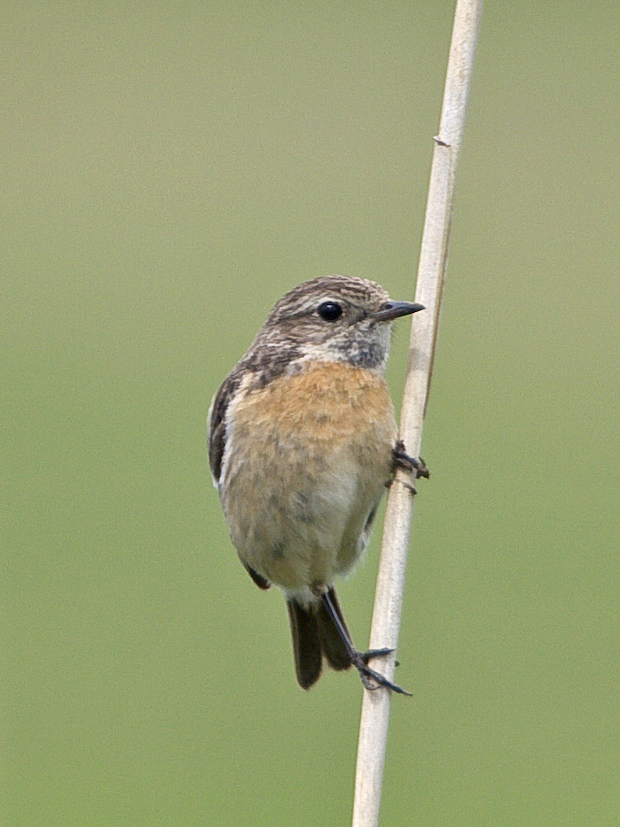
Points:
[(373, 680), (401, 459)]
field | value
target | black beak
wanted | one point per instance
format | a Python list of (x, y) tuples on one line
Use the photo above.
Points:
[(392, 310)]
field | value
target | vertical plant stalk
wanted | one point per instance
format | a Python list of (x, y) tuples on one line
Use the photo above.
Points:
[(432, 265)]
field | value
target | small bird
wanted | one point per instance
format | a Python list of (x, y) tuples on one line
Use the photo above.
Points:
[(302, 444)]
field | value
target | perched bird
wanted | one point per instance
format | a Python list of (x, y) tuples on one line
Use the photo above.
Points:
[(302, 443)]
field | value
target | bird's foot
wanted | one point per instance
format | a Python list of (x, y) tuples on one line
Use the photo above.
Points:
[(415, 466), (401, 459), (373, 680)]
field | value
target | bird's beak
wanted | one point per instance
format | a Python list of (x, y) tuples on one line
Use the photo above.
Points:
[(392, 310)]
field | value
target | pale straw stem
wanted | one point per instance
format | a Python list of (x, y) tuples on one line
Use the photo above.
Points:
[(432, 265)]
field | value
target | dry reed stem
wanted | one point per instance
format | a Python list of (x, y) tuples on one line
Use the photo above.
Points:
[(431, 269)]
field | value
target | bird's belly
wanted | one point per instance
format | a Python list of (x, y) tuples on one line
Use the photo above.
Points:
[(305, 466)]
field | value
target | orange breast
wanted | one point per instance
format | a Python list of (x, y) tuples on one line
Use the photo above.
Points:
[(308, 457), (327, 401)]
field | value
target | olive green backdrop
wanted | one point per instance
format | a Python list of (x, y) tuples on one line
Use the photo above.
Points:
[(169, 170)]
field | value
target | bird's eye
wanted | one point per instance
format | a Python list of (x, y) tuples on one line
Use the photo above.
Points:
[(330, 311)]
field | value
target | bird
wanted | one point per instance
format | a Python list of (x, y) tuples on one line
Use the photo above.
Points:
[(302, 443)]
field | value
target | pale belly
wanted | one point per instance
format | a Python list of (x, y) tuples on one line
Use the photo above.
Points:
[(306, 464)]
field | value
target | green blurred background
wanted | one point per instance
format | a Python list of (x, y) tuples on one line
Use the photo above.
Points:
[(169, 170)]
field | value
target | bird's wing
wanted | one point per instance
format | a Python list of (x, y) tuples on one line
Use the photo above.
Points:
[(216, 424)]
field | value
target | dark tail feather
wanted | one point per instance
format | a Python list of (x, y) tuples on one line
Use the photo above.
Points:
[(306, 644), (332, 644), (315, 634)]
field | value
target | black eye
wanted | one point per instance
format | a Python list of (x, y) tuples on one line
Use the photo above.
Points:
[(330, 311)]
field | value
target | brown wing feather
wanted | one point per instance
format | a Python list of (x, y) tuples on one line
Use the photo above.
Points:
[(263, 364), (217, 423)]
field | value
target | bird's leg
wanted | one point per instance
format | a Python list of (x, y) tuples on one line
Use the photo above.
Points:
[(411, 465), (371, 679), (401, 459)]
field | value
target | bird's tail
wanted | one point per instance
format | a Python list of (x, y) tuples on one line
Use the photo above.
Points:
[(315, 635)]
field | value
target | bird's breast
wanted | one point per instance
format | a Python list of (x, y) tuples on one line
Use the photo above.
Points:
[(306, 460)]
